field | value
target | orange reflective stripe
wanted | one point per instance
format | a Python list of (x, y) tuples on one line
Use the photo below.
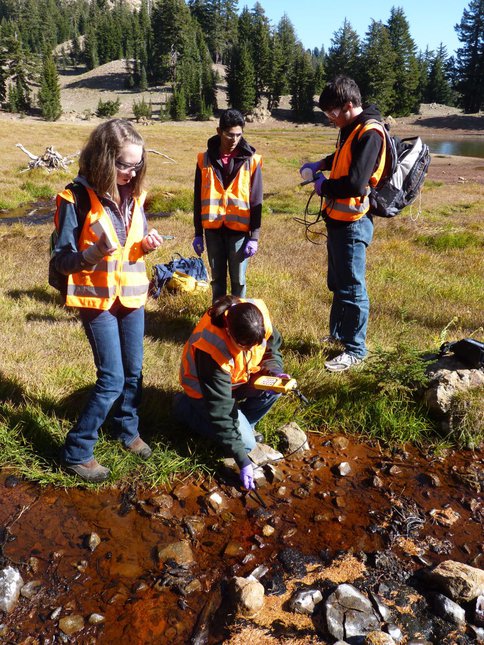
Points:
[(350, 209)]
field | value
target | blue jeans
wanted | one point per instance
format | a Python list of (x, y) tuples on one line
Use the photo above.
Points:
[(116, 338), (252, 406), (347, 244), (225, 248)]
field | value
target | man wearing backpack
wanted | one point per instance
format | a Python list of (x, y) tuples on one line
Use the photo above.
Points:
[(357, 164)]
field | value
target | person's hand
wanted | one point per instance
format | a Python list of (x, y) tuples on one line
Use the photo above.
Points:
[(309, 169), (151, 241), (95, 252), (319, 183), (247, 477), (282, 375), (198, 245), (251, 248)]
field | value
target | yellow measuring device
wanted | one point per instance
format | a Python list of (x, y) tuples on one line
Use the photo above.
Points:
[(275, 384)]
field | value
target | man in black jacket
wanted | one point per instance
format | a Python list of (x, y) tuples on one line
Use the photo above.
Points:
[(228, 204), (357, 163)]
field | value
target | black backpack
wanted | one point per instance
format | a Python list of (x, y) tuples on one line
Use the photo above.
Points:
[(406, 165), (82, 205), (468, 351)]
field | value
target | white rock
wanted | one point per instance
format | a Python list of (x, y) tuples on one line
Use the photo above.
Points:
[(10, 584), (344, 469)]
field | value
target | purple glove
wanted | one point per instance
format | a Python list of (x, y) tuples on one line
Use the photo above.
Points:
[(313, 166), (282, 375), (319, 183), (247, 477), (198, 245), (251, 248)]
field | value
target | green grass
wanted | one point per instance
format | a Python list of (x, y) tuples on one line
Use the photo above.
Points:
[(451, 240), (424, 279)]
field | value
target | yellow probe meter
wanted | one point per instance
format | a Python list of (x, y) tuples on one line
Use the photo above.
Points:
[(275, 384)]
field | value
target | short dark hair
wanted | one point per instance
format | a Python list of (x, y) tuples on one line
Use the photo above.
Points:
[(230, 118), (339, 91), (243, 319)]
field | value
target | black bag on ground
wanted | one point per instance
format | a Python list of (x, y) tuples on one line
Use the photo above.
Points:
[(468, 351), (82, 204), (406, 165), (162, 273)]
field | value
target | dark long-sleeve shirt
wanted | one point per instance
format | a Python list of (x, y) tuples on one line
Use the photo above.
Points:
[(365, 155), (216, 386), (226, 174)]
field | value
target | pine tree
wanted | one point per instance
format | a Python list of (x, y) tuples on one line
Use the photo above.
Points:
[(343, 53), (288, 40), (406, 66), (49, 93), (260, 48), (171, 21), (302, 86), (423, 66), (91, 58), (241, 79), (377, 78), (470, 57), (277, 82), (438, 87)]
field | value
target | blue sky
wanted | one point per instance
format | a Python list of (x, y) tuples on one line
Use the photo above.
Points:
[(431, 22)]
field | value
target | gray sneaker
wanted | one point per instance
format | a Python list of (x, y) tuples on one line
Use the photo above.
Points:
[(140, 448), (90, 471), (342, 362)]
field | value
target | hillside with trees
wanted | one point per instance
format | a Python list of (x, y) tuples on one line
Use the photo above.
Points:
[(176, 44)]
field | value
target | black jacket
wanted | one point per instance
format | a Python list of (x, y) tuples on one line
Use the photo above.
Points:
[(226, 174), (365, 156)]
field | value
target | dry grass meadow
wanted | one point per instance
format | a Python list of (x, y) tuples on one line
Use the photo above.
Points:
[(425, 281)]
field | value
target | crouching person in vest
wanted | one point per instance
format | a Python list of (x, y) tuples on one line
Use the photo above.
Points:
[(227, 204), (233, 342), (102, 253)]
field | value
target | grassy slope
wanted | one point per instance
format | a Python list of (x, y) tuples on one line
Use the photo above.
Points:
[(424, 276)]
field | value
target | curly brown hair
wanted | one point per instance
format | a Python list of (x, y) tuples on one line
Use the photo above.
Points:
[(98, 157)]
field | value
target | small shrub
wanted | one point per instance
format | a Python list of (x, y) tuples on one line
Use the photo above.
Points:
[(107, 108), (142, 109)]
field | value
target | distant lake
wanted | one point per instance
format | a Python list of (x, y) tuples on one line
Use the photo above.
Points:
[(461, 147)]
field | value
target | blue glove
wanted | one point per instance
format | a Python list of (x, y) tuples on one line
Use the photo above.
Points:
[(319, 183), (198, 245), (251, 248), (247, 477), (313, 166)]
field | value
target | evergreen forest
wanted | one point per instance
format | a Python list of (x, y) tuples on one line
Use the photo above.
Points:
[(175, 43)]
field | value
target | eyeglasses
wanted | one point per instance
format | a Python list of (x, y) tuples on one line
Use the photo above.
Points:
[(232, 135), (126, 167), (332, 114)]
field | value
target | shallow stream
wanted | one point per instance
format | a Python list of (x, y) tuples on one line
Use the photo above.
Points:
[(312, 509)]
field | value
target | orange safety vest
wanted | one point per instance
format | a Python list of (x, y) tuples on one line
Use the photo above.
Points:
[(349, 209), (120, 275), (215, 341), (231, 205)]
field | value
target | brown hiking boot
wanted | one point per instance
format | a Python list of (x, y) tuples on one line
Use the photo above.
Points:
[(140, 448), (90, 471)]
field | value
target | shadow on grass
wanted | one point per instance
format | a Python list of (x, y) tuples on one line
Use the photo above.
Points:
[(40, 294), (166, 325), (10, 390)]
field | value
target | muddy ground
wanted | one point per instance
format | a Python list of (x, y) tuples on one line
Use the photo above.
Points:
[(313, 513)]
